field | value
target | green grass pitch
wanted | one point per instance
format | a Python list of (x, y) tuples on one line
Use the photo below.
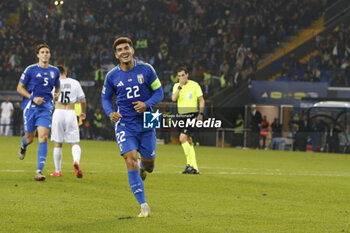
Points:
[(237, 191)]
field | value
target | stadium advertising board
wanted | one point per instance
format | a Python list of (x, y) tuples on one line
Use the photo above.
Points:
[(264, 92)]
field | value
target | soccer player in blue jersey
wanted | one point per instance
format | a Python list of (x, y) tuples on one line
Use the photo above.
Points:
[(35, 85), (137, 89)]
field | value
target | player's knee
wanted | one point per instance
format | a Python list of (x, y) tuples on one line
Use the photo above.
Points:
[(149, 167), (29, 140), (131, 163), (43, 138)]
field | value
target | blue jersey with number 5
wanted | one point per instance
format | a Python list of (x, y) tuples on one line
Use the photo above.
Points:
[(39, 82), (137, 84)]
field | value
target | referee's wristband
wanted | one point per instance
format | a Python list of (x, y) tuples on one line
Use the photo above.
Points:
[(201, 113), (32, 97)]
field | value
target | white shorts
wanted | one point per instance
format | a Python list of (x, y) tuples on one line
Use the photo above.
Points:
[(65, 126), (5, 120)]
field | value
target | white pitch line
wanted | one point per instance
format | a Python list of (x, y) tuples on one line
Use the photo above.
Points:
[(215, 173), (278, 174), (12, 171)]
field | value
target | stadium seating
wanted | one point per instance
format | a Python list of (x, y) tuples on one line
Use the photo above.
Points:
[(81, 39)]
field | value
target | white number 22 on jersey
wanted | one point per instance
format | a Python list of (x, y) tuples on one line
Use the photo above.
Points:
[(120, 137), (129, 93)]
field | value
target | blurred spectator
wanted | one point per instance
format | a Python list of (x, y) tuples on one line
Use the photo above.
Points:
[(17, 119), (264, 131), (302, 134), (319, 130), (239, 131), (89, 121), (276, 128), (255, 125), (98, 132), (167, 88), (206, 88), (347, 74), (333, 138)]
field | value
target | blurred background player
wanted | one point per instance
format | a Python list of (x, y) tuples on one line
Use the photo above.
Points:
[(187, 93), (65, 126), (137, 88), (35, 85), (6, 112)]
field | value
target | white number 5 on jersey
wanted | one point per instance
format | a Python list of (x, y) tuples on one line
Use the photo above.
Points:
[(46, 81)]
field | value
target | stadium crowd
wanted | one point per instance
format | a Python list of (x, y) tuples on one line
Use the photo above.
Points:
[(222, 41), (329, 63)]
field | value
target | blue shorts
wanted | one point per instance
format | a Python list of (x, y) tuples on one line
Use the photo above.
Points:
[(143, 142), (34, 116)]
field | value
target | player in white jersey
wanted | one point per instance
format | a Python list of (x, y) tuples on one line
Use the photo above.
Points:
[(6, 113), (64, 122)]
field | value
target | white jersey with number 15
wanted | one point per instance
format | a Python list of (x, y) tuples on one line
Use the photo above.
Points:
[(71, 91)]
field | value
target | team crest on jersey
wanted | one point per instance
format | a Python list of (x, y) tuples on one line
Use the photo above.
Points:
[(52, 74), (140, 78)]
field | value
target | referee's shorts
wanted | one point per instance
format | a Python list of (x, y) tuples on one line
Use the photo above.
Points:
[(188, 131)]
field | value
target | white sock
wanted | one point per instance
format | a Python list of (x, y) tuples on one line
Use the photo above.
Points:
[(7, 128), (76, 152), (57, 158)]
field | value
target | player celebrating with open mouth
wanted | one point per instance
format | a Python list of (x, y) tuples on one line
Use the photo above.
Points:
[(137, 88)]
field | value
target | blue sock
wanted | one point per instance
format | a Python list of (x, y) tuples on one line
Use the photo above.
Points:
[(136, 186), (42, 154), (24, 143)]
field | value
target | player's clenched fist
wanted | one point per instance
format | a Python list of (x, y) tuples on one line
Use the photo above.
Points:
[(115, 116), (139, 106)]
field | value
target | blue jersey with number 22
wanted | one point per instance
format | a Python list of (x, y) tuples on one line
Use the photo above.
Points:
[(138, 84)]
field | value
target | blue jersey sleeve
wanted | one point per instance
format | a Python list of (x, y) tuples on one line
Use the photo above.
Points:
[(57, 79), (107, 95), (156, 97), (26, 76)]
